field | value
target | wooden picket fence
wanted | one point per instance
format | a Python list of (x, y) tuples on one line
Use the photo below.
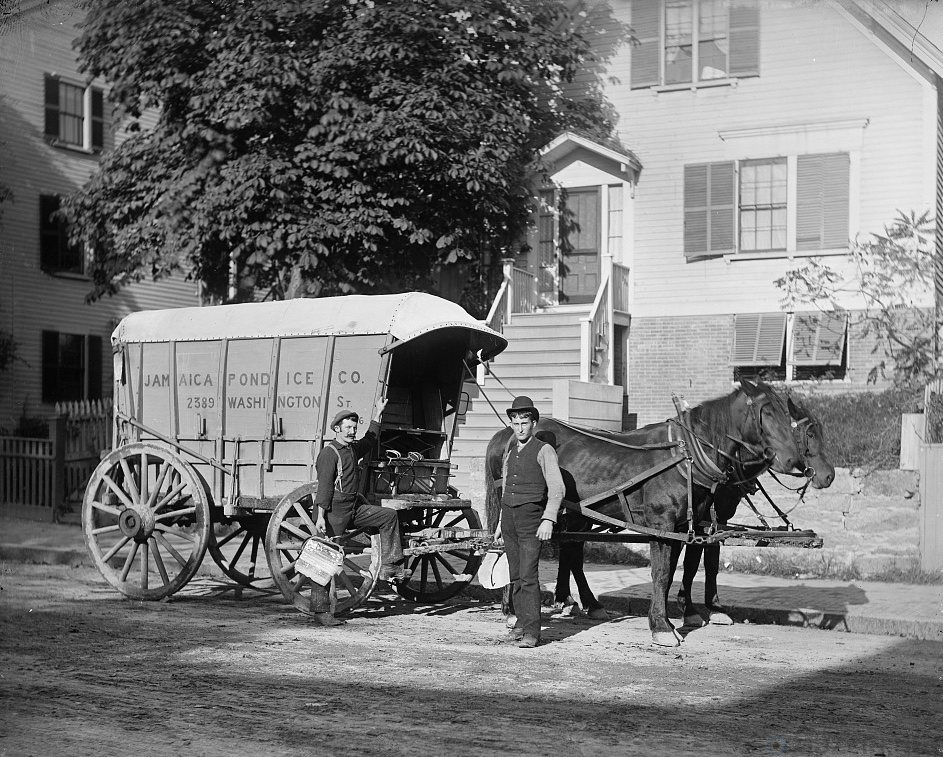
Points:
[(42, 478)]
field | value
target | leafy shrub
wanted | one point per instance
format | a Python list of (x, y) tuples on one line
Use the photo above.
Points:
[(862, 429)]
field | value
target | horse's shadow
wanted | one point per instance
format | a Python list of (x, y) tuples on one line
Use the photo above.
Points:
[(822, 607)]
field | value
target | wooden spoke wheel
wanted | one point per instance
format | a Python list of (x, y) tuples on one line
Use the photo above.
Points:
[(292, 522), (437, 576), (238, 548), (146, 520)]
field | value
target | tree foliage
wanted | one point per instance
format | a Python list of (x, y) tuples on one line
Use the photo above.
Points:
[(891, 273), (331, 146)]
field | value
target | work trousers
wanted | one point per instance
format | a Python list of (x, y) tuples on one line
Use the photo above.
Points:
[(351, 511), (519, 528)]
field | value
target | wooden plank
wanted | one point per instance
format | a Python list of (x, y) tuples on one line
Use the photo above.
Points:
[(931, 508)]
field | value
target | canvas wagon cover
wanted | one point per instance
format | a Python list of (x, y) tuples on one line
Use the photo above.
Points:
[(405, 316)]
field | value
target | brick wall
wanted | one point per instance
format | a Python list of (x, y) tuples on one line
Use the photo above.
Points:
[(686, 355), (690, 355)]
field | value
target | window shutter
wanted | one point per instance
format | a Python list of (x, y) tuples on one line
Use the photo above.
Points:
[(818, 338), (94, 352), (48, 233), (744, 40), (709, 207), (50, 352), (51, 100), (695, 211), (835, 188), (758, 338), (646, 54), (722, 197), (98, 119), (822, 201)]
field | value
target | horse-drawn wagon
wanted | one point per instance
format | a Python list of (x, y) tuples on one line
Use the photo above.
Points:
[(220, 414)]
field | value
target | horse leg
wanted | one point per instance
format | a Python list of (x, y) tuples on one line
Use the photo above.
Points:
[(715, 609), (561, 591), (692, 560), (574, 559), (507, 606), (664, 559)]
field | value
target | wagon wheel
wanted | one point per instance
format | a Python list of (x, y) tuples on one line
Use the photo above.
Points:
[(146, 520), (237, 547), (438, 575), (290, 525)]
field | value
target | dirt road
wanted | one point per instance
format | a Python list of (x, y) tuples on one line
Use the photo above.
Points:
[(86, 672)]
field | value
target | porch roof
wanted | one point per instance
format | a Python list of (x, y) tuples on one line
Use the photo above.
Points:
[(567, 142)]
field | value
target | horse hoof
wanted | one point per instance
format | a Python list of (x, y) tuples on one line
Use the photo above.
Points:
[(666, 638), (720, 619), (599, 614), (510, 621), (694, 620)]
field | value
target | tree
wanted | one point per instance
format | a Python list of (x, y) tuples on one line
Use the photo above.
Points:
[(328, 147), (891, 274)]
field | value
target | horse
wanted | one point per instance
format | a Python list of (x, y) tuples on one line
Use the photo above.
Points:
[(820, 474), (673, 464)]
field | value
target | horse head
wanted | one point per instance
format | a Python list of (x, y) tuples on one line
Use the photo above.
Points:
[(768, 425), (811, 443)]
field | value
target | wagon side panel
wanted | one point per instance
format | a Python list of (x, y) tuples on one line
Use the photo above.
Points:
[(300, 407)]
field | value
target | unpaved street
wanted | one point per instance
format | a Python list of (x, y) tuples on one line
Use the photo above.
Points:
[(86, 672)]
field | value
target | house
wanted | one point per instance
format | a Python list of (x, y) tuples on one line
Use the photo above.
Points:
[(754, 135), (54, 126)]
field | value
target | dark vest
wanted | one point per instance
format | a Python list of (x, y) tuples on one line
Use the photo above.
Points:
[(525, 479)]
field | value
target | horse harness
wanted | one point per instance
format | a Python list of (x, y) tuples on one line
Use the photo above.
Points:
[(700, 469)]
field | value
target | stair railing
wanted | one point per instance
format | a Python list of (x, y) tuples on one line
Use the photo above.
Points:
[(595, 341), (517, 294), (620, 288)]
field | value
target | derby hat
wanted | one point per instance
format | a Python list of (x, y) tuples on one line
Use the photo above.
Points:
[(522, 404), (342, 415)]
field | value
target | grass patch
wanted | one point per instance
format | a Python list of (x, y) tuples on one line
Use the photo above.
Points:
[(862, 429)]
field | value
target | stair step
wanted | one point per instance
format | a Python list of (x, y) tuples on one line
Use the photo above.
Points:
[(561, 330), (543, 343), (547, 317), (537, 370)]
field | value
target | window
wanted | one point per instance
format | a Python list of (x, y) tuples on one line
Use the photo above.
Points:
[(74, 114), (763, 205), (56, 255), (72, 367), (790, 347), (744, 206), (683, 42)]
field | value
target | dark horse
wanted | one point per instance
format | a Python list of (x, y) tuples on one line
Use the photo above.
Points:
[(751, 423), (817, 469)]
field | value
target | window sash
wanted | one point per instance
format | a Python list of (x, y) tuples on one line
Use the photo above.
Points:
[(56, 255), (71, 366), (74, 114), (763, 196)]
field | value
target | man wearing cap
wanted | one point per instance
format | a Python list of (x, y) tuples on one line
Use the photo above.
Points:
[(531, 495), (340, 504)]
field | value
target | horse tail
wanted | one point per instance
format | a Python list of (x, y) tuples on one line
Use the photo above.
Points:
[(492, 472)]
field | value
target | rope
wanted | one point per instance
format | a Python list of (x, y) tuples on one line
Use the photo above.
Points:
[(487, 399)]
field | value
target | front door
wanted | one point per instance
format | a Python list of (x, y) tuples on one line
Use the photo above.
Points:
[(581, 266)]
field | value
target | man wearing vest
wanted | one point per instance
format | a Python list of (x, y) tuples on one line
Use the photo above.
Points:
[(341, 505), (532, 492)]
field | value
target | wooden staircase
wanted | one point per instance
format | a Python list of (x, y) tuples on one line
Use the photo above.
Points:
[(542, 348)]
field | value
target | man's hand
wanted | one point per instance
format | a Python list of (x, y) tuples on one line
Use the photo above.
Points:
[(320, 525), (378, 408), (544, 530)]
